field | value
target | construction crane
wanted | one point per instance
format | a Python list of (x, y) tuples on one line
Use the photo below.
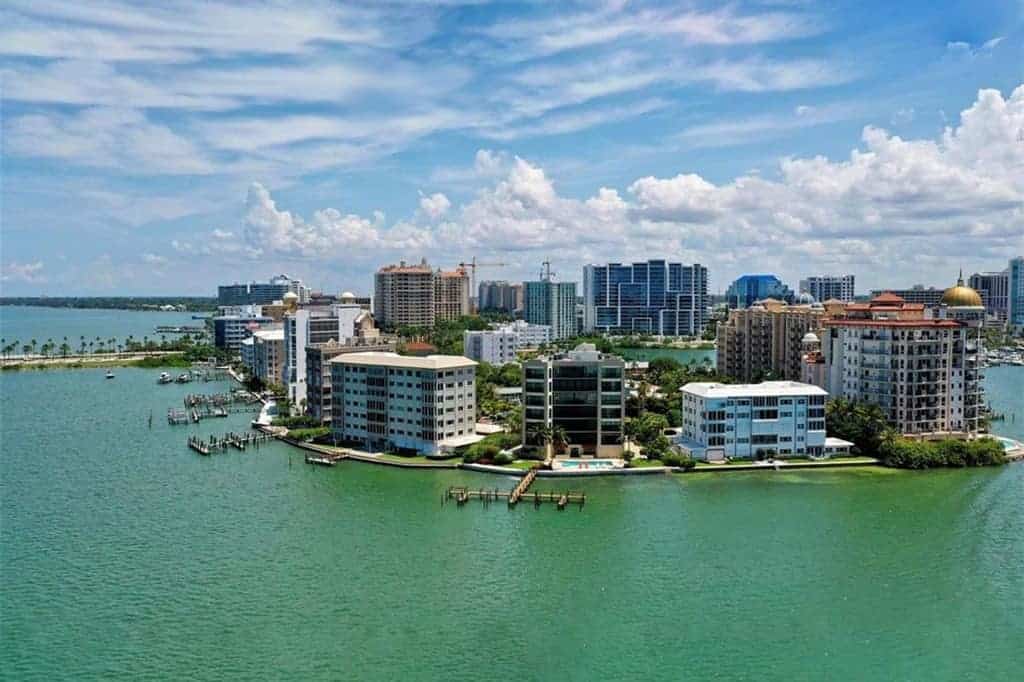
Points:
[(546, 273), (473, 265)]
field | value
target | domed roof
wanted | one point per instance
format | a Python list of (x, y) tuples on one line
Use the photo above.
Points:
[(347, 294), (811, 337), (962, 296), (290, 296), (804, 298)]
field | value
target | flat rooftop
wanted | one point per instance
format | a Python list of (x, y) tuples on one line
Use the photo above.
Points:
[(708, 389), (380, 358), (270, 334)]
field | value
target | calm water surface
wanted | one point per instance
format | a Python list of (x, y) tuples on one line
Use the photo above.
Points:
[(25, 323), (125, 555)]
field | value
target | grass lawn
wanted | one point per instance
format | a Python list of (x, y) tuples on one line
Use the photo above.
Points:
[(524, 464)]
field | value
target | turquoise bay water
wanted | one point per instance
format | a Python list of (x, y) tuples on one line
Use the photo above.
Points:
[(25, 323), (125, 555), (683, 355)]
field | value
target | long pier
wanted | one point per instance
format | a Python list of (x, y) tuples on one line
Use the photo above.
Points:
[(238, 441), (179, 329)]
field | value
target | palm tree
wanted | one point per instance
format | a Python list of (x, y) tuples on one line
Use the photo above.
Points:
[(541, 435), (560, 439), (81, 345), (26, 349), (629, 430), (65, 348), (34, 344)]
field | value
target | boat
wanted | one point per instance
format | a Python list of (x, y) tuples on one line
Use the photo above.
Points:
[(184, 378), (165, 378), (110, 375)]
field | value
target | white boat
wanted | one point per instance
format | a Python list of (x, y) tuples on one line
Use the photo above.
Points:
[(184, 378), (165, 378), (110, 375)]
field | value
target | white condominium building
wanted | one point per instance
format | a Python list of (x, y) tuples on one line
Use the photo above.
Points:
[(498, 346), (746, 421), (385, 401), (309, 326), (829, 287), (493, 346)]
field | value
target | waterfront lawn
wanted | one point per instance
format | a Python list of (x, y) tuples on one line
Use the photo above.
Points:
[(524, 464)]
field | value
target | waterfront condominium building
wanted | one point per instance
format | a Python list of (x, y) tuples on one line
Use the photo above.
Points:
[(581, 392), (268, 355), (765, 340), (310, 326), (829, 287), (385, 401), (745, 290), (259, 293), (1015, 293), (929, 297), (318, 369), (994, 289), (552, 304), (920, 366), (418, 295), (747, 421), (230, 330), (502, 297), (656, 297), (498, 346)]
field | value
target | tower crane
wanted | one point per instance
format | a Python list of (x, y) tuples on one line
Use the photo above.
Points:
[(473, 265)]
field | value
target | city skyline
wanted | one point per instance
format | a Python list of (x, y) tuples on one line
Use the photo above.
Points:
[(140, 158)]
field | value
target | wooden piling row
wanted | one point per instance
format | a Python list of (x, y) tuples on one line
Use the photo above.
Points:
[(238, 441), (462, 494)]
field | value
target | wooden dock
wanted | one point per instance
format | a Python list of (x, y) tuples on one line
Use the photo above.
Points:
[(177, 416), (226, 400), (325, 459), (237, 441), (522, 487), (461, 495)]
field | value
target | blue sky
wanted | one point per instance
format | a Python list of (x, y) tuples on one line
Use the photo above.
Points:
[(157, 148)]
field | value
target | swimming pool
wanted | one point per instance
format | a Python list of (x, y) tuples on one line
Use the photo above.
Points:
[(587, 464)]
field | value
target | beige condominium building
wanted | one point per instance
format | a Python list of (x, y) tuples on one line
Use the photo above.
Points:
[(391, 402), (920, 366), (765, 341), (419, 296)]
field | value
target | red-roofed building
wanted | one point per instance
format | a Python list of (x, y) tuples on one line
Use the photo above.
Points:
[(920, 366)]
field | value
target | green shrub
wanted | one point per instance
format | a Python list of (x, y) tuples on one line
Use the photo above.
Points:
[(675, 459), (302, 421), (502, 458), (903, 453)]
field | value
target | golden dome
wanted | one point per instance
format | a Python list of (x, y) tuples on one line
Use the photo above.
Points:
[(962, 296)]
